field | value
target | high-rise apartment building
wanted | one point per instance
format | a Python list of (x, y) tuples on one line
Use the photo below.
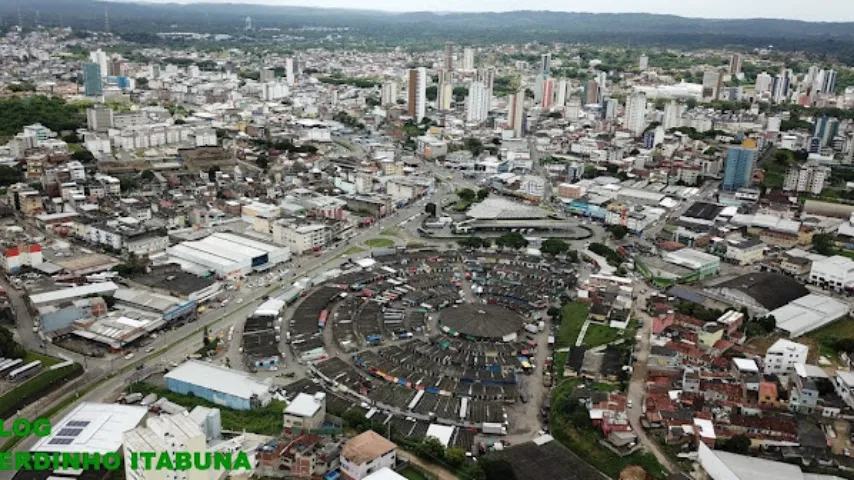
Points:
[(487, 76), (828, 84), (290, 71), (388, 94), (548, 93), (763, 83), (807, 178), (115, 67), (92, 86), (546, 63), (591, 92), (417, 92), (468, 59), (738, 170), (635, 115), (643, 62), (100, 57), (477, 103), (445, 90), (780, 86), (449, 56), (517, 113), (825, 129), (735, 63), (672, 116), (560, 93), (539, 84), (711, 84), (267, 75)]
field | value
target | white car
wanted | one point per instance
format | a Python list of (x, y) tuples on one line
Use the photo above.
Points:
[(129, 356), (149, 349), (239, 300)]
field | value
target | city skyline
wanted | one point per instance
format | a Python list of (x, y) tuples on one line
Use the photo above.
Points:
[(818, 11)]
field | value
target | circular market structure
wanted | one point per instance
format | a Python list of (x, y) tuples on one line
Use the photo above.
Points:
[(480, 322)]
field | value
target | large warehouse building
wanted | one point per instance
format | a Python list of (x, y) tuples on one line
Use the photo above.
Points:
[(228, 255), (220, 385)]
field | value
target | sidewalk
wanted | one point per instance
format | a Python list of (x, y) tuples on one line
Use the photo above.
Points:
[(440, 472)]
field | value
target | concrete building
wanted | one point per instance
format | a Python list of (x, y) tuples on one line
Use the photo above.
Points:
[(477, 103), (365, 454), (516, 115), (165, 433), (468, 59), (305, 412), (702, 264), (833, 273), (388, 95), (783, 356), (417, 93), (219, 385), (810, 312), (711, 85), (739, 167), (301, 238), (635, 119), (228, 255), (92, 82), (91, 428), (807, 178)]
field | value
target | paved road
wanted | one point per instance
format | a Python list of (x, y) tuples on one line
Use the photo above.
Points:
[(637, 386)]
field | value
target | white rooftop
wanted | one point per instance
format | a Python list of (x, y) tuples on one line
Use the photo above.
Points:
[(808, 313), (91, 427), (443, 433), (304, 405), (722, 465), (218, 379), (745, 365), (384, 473), (104, 288), (496, 208)]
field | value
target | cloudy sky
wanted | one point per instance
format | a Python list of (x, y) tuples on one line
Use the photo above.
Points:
[(813, 10)]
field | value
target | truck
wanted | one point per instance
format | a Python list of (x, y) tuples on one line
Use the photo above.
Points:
[(132, 398), (494, 428), (541, 326), (531, 328)]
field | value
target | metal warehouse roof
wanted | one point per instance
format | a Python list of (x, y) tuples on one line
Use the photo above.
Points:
[(219, 379), (91, 428), (107, 288), (808, 313)]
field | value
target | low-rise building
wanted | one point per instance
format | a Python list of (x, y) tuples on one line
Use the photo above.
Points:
[(834, 273), (365, 454), (301, 238), (305, 412), (783, 356)]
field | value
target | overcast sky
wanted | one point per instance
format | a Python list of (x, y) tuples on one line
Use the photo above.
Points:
[(813, 10)]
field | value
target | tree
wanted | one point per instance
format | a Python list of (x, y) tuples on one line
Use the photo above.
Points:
[(554, 246), (180, 121), (71, 138), (432, 448), (474, 242), (83, 156), (466, 194), (9, 348), (474, 145), (553, 312), (472, 471), (513, 240), (739, 444), (205, 338), (618, 231), (497, 469), (432, 92), (482, 194), (10, 175), (823, 243), (212, 173), (430, 209), (147, 175), (262, 161), (455, 457)]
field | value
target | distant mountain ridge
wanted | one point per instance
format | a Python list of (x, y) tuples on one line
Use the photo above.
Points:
[(486, 27)]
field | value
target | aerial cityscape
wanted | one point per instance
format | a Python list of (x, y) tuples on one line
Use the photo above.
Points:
[(260, 241)]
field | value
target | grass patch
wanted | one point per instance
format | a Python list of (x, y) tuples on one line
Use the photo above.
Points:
[(46, 360), (37, 387), (827, 336), (461, 206), (379, 243), (572, 315), (353, 250), (570, 425), (412, 474), (414, 245), (600, 335), (264, 421), (391, 232)]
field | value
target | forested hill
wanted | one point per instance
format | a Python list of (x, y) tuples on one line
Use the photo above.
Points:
[(520, 26)]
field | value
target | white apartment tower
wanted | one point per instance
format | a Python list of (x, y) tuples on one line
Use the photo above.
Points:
[(735, 63), (477, 108), (289, 70), (517, 112), (388, 96), (635, 115), (445, 90), (807, 178), (763, 83), (672, 115), (560, 93), (417, 93), (100, 57), (643, 62), (468, 59)]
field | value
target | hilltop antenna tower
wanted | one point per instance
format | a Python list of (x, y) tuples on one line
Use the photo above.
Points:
[(20, 19), (106, 20)]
